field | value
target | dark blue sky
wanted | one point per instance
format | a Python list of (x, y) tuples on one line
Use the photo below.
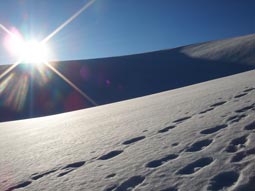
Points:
[(121, 27)]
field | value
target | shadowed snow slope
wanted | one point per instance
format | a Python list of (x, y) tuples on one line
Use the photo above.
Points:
[(198, 137), (110, 80)]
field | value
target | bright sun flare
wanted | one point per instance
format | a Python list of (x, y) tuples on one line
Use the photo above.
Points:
[(31, 52), (36, 52)]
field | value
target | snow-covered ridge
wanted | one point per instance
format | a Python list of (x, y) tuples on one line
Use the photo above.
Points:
[(198, 137), (233, 50)]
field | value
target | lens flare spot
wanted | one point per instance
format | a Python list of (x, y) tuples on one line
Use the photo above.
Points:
[(4, 84), (14, 91)]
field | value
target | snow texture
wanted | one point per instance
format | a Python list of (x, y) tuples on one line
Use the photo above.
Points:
[(198, 137), (232, 50)]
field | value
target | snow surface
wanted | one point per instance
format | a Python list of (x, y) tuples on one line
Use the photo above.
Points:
[(195, 138), (232, 50)]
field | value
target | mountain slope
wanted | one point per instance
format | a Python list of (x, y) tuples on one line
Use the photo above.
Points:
[(195, 138), (234, 50), (110, 80)]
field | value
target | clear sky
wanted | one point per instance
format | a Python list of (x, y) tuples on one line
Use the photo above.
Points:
[(121, 27)]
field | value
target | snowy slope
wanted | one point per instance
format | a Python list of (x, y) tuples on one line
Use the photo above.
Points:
[(232, 50), (195, 138)]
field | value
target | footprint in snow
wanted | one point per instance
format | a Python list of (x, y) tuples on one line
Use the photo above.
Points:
[(235, 118), (181, 120), (242, 155), (110, 176), (223, 180), (110, 155), (205, 111), (236, 144), (133, 140), (37, 176), (71, 167), (244, 109), (20, 185), (195, 166), (213, 129), (250, 126), (240, 95), (130, 183), (199, 145), (166, 129), (175, 144), (159, 162), (248, 90), (217, 104)]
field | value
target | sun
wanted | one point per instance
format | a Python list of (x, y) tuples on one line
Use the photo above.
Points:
[(28, 51), (33, 52)]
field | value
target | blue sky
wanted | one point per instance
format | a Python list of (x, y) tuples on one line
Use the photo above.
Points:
[(121, 27)]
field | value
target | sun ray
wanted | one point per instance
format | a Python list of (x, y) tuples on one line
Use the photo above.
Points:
[(71, 84), (18, 92), (5, 83), (74, 16), (8, 70), (6, 30)]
